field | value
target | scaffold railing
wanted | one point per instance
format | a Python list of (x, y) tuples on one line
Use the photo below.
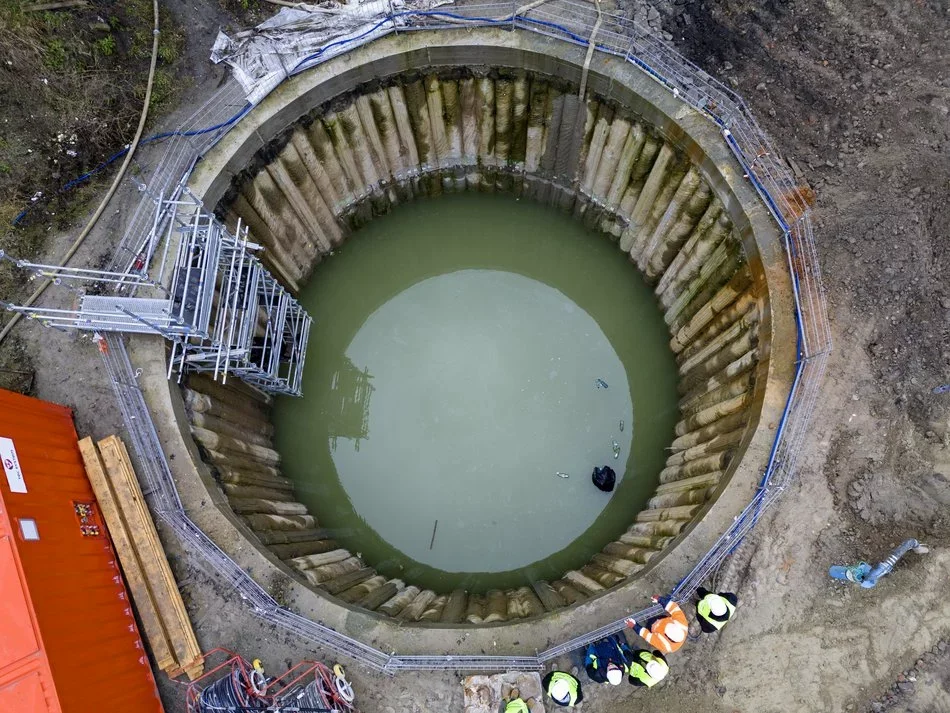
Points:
[(762, 165), (204, 290)]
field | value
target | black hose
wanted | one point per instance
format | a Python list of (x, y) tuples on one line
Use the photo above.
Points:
[(229, 694)]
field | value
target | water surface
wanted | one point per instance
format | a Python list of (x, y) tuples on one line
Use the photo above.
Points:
[(465, 351)]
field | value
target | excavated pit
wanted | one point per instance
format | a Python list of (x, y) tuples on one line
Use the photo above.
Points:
[(485, 110)]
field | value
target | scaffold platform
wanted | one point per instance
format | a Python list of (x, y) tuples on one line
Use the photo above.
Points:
[(198, 285)]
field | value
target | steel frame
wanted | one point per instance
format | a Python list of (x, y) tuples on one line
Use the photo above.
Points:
[(210, 296)]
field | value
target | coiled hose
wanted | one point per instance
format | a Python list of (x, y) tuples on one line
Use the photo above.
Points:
[(230, 694)]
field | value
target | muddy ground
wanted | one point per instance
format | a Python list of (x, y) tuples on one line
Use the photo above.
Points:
[(857, 94)]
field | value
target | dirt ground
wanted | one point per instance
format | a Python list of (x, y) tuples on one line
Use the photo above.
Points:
[(857, 94)]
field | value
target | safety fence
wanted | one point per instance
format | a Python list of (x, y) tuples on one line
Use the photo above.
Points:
[(573, 22)]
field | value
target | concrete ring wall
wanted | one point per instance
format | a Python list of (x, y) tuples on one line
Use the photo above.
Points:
[(663, 542)]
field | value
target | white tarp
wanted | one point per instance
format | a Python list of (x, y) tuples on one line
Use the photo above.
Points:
[(263, 57)]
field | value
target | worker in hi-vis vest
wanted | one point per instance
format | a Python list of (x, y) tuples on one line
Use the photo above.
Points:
[(515, 703), (563, 688), (666, 633), (714, 610), (606, 660), (647, 668)]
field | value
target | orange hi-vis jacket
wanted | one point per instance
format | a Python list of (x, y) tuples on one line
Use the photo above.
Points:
[(655, 635)]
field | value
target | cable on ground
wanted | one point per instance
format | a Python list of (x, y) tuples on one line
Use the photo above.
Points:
[(115, 183)]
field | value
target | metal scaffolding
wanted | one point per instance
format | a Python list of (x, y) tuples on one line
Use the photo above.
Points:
[(199, 286)]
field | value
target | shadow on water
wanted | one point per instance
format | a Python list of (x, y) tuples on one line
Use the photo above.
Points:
[(346, 409)]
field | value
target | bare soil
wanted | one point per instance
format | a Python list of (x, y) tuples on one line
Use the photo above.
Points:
[(857, 95)]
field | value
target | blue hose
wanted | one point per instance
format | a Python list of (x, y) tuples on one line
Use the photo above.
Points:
[(887, 565), (149, 140)]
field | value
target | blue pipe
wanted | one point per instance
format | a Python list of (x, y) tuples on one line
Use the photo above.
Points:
[(887, 565), (867, 576), (151, 139)]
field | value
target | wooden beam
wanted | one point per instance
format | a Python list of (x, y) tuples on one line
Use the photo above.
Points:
[(131, 567), (144, 539)]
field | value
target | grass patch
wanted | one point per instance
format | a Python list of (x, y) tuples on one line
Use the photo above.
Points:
[(72, 96), (163, 88), (54, 56), (106, 46)]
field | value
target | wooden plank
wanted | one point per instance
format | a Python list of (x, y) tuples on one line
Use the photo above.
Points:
[(144, 537), (131, 567), (151, 554)]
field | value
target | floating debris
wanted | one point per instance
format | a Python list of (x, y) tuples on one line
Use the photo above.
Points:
[(560, 474), (600, 383), (616, 450), (621, 425), (432, 541)]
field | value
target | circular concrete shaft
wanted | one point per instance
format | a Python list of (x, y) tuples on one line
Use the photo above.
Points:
[(423, 113)]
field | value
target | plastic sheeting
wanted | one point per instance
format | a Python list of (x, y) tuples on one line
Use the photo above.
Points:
[(297, 37)]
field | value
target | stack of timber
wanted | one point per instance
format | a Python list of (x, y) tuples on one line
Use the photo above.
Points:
[(146, 570)]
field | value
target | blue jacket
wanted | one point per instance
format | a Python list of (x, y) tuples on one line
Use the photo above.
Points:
[(599, 654)]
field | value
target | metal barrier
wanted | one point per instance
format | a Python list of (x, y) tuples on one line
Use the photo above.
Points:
[(573, 22)]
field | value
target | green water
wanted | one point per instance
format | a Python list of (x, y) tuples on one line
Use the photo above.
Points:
[(465, 351)]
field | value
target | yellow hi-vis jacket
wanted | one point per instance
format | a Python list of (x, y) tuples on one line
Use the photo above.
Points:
[(571, 686), (704, 609), (638, 669)]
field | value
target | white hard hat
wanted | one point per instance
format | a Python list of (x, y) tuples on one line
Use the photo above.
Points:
[(656, 670), (717, 606), (675, 631), (561, 691), (614, 674)]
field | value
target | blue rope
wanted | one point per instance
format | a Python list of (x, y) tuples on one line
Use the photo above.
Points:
[(442, 15), (149, 140)]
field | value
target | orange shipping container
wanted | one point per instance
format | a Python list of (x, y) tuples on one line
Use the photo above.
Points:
[(68, 639)]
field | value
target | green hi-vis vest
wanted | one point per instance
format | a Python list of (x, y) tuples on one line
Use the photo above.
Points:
[(571, 686), (638, 669), (704, 609), (517, 706)]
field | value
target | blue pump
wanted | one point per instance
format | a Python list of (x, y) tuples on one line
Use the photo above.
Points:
[(867, 576)]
